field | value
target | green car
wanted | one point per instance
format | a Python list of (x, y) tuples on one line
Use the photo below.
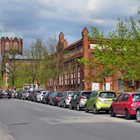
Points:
[(100, 101)]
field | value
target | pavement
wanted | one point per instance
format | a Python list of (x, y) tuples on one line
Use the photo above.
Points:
[(5, 132)]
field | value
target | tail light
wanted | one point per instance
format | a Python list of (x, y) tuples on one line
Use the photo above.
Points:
[(82, 97), (56, 98), (100, 99), (67, 98), (133, 107)]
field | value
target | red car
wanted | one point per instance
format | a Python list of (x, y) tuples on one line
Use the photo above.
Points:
[(125, 104)]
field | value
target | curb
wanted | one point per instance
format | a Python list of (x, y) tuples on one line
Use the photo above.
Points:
[(5, 132)]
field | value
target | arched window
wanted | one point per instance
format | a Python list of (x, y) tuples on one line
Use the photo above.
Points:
[(15, 46), (7, 46)]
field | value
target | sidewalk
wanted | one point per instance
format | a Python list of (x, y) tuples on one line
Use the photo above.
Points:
[(5, 133)]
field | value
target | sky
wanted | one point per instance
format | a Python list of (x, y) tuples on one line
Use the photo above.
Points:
[(32, 19)]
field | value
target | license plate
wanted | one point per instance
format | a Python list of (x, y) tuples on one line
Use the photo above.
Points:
[(107, 102)]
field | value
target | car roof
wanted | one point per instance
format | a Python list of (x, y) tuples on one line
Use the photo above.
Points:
[(130, 93)]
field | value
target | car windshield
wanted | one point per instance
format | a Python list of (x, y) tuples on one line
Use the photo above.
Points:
[(107, 95), (59, 94), (71, 93), (86, 94), (136, 97)]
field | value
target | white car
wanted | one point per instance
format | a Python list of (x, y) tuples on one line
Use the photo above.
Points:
[(40, 95)]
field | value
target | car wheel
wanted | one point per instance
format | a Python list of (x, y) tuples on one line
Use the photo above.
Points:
[(127, 115), (112, 113), (70, 106), (86, 110), (65, 106), (107, 111), (59, 104), (95, 111), (138, 115), (78, 107)]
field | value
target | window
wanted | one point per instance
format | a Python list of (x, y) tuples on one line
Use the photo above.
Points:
[(72, 78), (136, 97), (107, 95), (15, 46), (79, 75), (59, 80), (119, 97), (125, 97), (7, 46)]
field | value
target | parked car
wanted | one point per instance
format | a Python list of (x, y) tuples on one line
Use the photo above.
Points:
[(125, 104), (6, 94), (32, 96), (24, 94), (40, 95), (138, 113), (55, 98), (66, 98), (46, 97), (100, 101), (1, 93), (19, 94), (79, 99)]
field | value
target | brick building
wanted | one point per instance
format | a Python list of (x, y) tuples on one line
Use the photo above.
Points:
[(8, 47), (77, 78)]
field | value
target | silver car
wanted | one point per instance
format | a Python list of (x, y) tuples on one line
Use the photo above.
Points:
[(66, 98)]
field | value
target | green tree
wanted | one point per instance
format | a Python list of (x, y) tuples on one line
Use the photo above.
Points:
[(34, 64), (117, 53), (12, 67)]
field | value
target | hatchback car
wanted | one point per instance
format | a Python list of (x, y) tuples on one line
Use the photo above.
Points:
[(66, 98), (40, 95), (55, 98), (125, 104), (100, 101), (79, 99)]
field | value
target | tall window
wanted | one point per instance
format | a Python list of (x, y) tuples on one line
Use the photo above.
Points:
[(72, 78), (7, 46), (79, 75), (15, 46)]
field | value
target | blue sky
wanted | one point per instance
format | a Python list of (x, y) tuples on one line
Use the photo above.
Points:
[(46, 18)]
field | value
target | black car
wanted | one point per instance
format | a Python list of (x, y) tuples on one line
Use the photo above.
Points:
[(79, 99), (138, 113), (6, 94), (55, 98)]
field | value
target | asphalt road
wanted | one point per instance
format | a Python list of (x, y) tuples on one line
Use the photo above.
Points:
[(25, 120)]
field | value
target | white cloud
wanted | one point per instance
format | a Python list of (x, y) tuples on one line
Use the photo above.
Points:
[(43, 18)]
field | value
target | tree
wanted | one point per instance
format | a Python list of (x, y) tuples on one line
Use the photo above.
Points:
[(54, 63), (117, 53), (12, 67), (34, 65)]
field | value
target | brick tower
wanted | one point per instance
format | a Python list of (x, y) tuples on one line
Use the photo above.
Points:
[(7, 46)]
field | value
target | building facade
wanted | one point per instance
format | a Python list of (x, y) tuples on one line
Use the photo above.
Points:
[(78, 77), (9, 47)]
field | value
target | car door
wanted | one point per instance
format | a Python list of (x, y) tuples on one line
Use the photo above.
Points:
[(116, 104), (91, 100), (74, 100), (63, 98), (124, 103)]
